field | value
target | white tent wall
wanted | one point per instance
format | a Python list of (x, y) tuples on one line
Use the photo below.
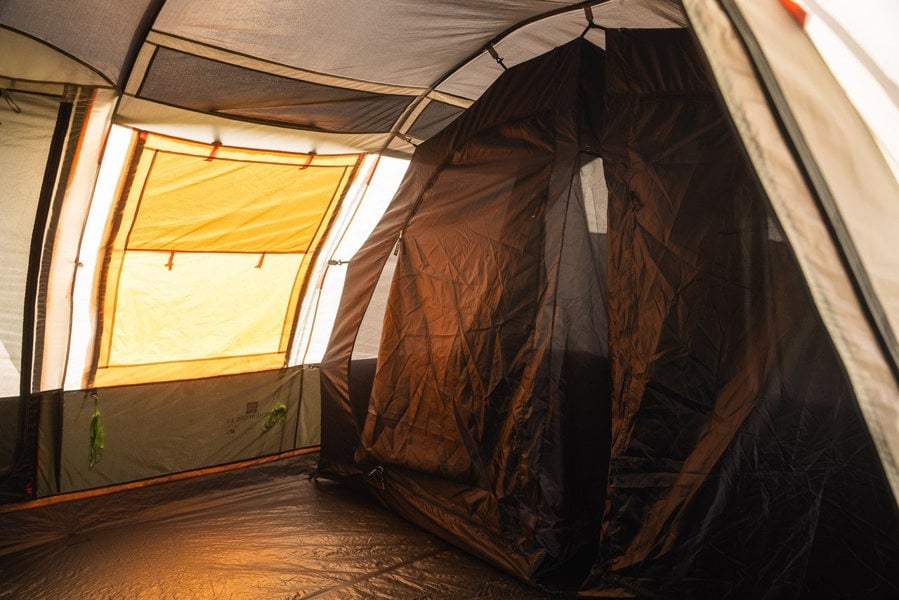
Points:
[(26, 136), (27, 133), (864, 65), (116, 148), (37, 301)]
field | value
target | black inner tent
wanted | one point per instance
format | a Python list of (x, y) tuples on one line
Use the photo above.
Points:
[(598, 364), (494, 329)]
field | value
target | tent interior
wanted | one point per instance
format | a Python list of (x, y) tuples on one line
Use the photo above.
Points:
[(467, 299)]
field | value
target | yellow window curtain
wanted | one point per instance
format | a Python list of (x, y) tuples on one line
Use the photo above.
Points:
[(208, 255)]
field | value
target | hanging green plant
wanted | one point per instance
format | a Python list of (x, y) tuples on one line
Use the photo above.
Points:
[(278, 413), (96, 434)]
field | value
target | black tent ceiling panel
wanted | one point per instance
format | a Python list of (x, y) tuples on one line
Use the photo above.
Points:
[(434, 117), (387, 41), (205, 85)]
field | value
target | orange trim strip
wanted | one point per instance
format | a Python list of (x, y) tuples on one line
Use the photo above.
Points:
[(796, 11)]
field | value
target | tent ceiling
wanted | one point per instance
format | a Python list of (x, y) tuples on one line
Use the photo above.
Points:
[(341, 76), (99, 34)]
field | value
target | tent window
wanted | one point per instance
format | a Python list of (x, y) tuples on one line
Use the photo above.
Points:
[(208, 257)]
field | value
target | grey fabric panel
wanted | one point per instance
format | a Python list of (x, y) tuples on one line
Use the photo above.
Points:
[(433, 118), (385, 41), (309, 427), (50, 413), (162, 428), (100, 33), (9, 426), (209, 86)]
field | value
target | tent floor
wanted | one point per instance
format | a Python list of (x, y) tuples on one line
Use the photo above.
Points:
[(266, 531)]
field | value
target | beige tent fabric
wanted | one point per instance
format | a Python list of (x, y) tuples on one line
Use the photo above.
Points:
[(853, 168), (25, 137), (872, 380)]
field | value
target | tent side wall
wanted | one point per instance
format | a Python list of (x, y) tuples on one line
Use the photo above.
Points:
[(59, 441), (39, 134), (207, 253), (26, 135)]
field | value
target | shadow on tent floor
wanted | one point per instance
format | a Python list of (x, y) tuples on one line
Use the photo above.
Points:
[(266, 531)]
